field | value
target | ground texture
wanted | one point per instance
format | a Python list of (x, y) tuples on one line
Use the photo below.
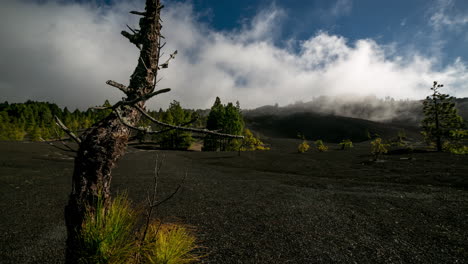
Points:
[(276, 206)]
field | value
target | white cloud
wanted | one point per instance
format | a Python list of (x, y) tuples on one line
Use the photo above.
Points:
[(444, 18), (65, 53), (440, 21)]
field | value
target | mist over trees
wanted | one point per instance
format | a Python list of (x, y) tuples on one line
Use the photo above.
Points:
[(372, 108)]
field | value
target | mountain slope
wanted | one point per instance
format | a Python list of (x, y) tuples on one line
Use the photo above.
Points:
[(326, 127)]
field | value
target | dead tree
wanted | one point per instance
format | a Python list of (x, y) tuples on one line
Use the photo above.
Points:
[(101, 146)]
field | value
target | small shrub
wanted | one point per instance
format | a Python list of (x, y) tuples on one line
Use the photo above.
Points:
[(459, 150), (346, 144), (378, 148), (320, 146), (456, 145), (303, 147), (251, 143)]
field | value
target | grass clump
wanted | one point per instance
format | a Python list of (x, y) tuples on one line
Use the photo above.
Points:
[(169, 244), (303, 147), (109, 235), (346, 144), (320, 146), (106, 233)]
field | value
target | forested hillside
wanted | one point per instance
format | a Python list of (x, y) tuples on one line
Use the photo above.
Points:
[(35, 120)]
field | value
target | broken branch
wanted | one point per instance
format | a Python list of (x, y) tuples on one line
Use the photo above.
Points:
[(57, 147), (145, 97), (171, 195), (152, 200), (63, 142), (133, 38), (134, 101), (131, 29), (138, 13), (117, 85), (146, 130), (171, 57), (65, 128)]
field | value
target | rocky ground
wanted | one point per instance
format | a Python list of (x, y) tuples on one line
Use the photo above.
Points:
[(276, 206)]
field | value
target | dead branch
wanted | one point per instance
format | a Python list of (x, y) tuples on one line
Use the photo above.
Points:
[(138, 13), (117, 85), (59, 138), (171, 57), (133, 38), (101, 107), (147, 130), (182, 124), (172, 194), (48, 142), (65, 128), (134, 31), (152, 200), (156, 82), (144, 65), (196, 130), (144, 97), (134, 101)]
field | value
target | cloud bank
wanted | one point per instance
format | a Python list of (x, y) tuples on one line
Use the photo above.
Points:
[(64, 53)]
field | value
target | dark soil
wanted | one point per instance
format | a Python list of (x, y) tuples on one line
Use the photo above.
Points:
[(275, 206)]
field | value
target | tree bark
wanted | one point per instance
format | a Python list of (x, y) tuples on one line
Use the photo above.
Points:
[(103, 144)]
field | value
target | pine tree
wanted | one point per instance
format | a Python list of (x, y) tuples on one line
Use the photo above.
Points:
[(227, 119), (214, 122), (440, 117), (215, 118), (175, 139)]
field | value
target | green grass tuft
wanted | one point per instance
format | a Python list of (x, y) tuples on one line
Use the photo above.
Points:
[(169, 244), (107, 233)]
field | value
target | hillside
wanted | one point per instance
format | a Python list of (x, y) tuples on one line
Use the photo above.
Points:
[(319, 120), (326, 127)]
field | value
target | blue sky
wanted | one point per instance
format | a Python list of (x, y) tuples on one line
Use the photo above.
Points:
[(258, 52)]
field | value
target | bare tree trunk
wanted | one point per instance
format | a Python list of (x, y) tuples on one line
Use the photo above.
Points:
[(102, 145)]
